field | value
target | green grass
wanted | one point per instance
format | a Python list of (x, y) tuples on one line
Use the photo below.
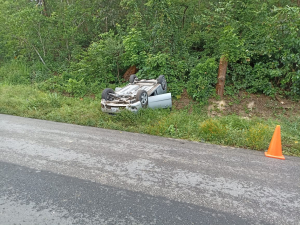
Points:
[(15, 72), (255, 133)]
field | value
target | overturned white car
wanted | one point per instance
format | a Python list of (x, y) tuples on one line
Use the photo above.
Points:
[(136, 95)]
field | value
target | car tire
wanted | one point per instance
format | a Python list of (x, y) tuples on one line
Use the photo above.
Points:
[(106, 94), (132, 78), (162, 81), (142, 96)]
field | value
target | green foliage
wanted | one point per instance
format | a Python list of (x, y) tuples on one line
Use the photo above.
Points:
[(42, 102), (202, 80), (101, 61), (76, 88), (230, 44), (135, 48), (83, 46), (260, 41), (257, 136), (15, 72), (52, 33), (212, 129), (55, 83)]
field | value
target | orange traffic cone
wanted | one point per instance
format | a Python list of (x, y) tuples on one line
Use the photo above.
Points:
[(275, 148)]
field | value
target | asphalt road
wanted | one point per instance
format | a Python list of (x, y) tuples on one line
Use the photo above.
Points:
[(55, 173)]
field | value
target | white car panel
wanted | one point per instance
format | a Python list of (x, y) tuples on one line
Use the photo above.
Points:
[(160, 101)]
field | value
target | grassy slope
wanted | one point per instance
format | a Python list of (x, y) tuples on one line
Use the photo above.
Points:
[(229, 130)]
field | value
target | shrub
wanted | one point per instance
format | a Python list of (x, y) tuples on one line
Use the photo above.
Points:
[(76, 88), (202, 80), (212, 129), (258, 136), (101, 62)]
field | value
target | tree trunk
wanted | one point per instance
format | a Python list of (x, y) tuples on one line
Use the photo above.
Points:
[(221, 76), (183, 17)]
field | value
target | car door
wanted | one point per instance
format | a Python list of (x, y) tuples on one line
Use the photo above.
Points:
[(160, 101)]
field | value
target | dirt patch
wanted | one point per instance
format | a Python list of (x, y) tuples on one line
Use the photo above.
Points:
[(185, 101), (249, 105), (244, 104), (216, 108)]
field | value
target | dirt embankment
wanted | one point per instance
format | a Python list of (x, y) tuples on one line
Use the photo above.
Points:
[(245, 105)]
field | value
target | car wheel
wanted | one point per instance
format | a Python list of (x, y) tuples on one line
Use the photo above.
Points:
[(132, 78), (142, 96), (106, 94), (162, 81)]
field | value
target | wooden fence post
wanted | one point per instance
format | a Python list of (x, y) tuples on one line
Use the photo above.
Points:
[(221, 75)]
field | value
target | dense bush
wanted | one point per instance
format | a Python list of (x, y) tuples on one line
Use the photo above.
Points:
[(202, 80)]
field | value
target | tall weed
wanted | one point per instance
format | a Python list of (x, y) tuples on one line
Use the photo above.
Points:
[(15, 72)]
